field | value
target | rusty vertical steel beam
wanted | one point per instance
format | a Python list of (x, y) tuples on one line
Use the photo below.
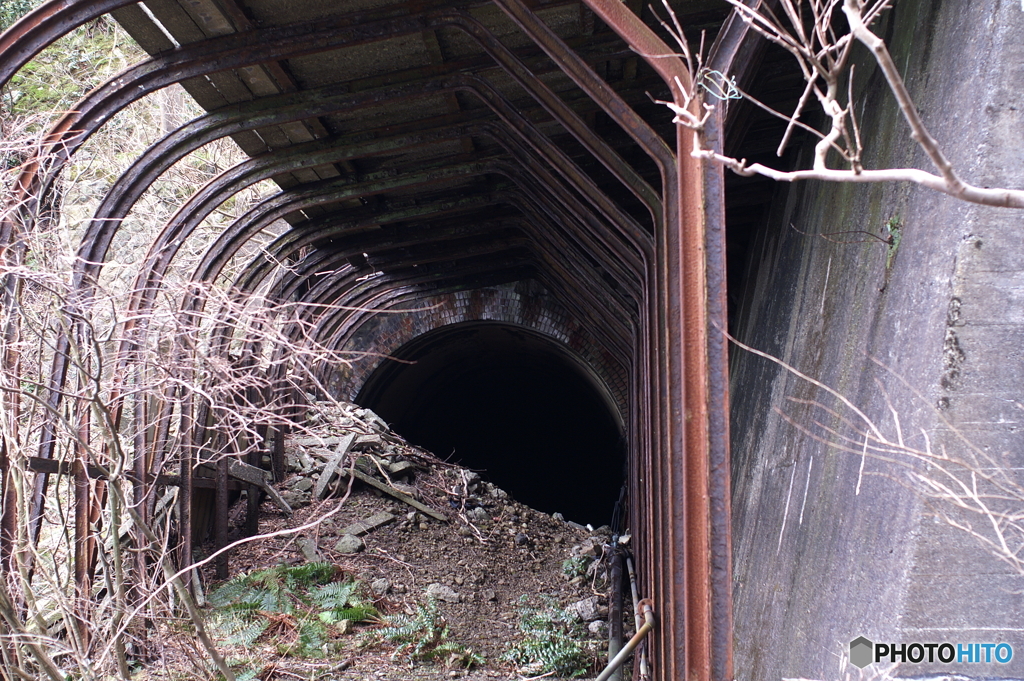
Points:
[(220, 518), (187, 428), (700, 635), (83, 526), (719, 477)]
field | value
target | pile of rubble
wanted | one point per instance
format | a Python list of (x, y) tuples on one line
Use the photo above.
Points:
[(343, 442), (415, 527)]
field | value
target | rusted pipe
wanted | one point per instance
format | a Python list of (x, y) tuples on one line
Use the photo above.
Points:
[(637, 615), (616, 662), (615, 609)]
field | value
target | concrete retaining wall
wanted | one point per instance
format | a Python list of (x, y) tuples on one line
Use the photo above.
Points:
[(926, 339)]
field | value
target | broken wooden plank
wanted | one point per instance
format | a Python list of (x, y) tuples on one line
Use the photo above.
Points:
[(259, 477), (332, 465), (388, 489), (243, 471), (367, 525), (37, 464)]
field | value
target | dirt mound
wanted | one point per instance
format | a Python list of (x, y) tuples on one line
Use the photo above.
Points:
[(413, 529)]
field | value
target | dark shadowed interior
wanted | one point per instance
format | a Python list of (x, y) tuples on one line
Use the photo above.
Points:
[(511, 404)]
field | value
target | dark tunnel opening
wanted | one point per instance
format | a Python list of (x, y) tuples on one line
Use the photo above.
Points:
[(512, 404)]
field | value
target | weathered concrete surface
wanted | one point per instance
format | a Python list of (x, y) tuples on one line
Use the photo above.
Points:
[(829, 545)]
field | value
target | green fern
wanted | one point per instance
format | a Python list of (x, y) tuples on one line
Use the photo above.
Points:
[(551, 639), (239, 626), (334, 596), (313, 638), (422, 637), (246, 606)]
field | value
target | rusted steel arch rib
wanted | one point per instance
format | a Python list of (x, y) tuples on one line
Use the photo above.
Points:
[(216, 125), (244, 49), (262, 112), (595, 285), (545, 233), (193, 212), (285, 287), (361, 295), (627, 269), (146, 289), (56, 18), (381, 145), (585, 77), (262, 167), (555, 157), (606, 310), (333, 293), (348, 288), (307, 233), (293, 276), (654, 421), (320, 229), (45, 24), (578, 281), (245, 227)]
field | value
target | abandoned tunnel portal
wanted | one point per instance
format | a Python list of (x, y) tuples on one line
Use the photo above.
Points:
[(513, 404)]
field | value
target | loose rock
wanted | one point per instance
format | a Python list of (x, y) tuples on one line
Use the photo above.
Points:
[(442, 593), (349, 544), (587, 609)]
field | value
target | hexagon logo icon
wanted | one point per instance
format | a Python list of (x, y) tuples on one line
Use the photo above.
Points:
[(861, 652)]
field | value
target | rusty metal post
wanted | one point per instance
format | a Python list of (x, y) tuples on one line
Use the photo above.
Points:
[(698, 651), (615, 609), (220, 517), (83, 526), (187, 428)]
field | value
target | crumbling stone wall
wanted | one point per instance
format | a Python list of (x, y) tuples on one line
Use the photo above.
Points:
[(830, 545)]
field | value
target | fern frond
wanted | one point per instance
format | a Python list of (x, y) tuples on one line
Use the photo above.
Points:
[(553, 639), (422, 637), (335, 595)]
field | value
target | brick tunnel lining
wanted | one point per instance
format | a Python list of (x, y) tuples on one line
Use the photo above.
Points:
[(512, 404)]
